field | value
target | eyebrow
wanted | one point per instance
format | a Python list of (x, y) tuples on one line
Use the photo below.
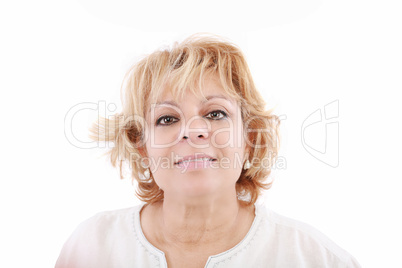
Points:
[(208, 98), (172, 103), (215, 96)]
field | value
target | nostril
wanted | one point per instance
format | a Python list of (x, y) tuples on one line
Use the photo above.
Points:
[(203, 136)]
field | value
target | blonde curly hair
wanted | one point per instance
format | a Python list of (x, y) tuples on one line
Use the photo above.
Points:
[(183, 66)]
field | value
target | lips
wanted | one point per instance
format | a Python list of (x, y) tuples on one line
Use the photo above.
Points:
[(195, 158)]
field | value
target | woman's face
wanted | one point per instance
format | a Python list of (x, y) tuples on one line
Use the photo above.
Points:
[(196, 146)]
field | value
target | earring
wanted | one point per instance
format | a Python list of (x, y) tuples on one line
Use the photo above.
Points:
[(147, 174), (247, 165)]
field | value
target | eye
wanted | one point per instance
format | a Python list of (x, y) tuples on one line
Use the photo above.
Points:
[(216, 115), (166, 120)]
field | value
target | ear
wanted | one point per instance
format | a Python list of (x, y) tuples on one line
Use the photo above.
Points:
[(142, 151)]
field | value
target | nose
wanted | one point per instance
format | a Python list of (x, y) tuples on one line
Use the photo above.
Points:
[(197, 129)]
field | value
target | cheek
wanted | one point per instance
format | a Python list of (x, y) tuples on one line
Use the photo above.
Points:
[(227, 135), (161, 137), (160, 166), (231, 144)]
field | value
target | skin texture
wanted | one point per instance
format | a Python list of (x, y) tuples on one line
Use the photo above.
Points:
[(200, 214)]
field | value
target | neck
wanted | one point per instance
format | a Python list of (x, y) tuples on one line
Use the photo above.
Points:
[(191, 223)]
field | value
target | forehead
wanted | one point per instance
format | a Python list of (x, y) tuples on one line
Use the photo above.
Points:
[(205, 90)]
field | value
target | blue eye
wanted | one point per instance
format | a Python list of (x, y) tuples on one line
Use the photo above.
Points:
[(166, 120), (216, 115)]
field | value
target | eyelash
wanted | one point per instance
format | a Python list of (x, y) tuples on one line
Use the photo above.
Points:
[(160, 119), (158, 122), (224, 114)]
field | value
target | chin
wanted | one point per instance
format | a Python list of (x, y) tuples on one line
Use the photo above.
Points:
[(197, 186)]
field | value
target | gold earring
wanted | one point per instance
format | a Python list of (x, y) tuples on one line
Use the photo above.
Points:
[(247, 165)]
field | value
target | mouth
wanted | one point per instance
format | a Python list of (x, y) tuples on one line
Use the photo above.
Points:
[(195, 158)]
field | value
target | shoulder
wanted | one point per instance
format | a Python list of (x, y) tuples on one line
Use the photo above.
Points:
[(95, 238), (105, 224), (108, 219), (301, 241)]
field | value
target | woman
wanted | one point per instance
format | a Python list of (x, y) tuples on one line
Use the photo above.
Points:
[(200, 143)]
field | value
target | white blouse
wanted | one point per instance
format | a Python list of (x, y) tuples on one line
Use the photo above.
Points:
[(115, 239)]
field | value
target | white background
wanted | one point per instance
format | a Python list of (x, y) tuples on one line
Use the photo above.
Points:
[(303, 55)]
